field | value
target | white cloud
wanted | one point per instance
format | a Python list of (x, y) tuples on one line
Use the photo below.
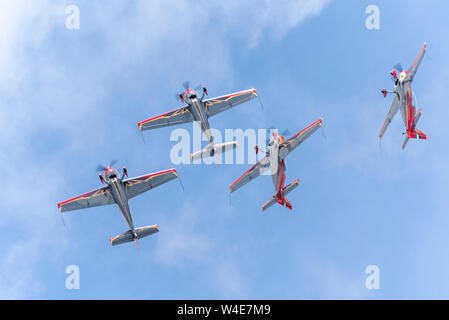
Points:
[(179, 239), (252, 19), (230, 281), (328, 280)]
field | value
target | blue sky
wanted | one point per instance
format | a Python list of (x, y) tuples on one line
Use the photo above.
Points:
[(71, 100)]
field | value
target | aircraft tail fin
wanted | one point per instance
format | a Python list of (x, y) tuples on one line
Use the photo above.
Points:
[(281, 200), (417, 134), (413, 133), (128, 236), (212, 150)]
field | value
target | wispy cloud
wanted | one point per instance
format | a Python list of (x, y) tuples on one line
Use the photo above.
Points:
[(326, 279), (181, 240)]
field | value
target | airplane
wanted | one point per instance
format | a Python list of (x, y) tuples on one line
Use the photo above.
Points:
[(198, 109), (119, 190), (278, 149), (405, 100)]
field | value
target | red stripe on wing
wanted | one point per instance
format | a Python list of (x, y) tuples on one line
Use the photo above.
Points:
[(235, 94), (155, 174), (423, 48), (75, 198), (320, 120), (155, 118)]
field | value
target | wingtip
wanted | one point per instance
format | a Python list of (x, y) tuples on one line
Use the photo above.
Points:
[(139, 124)]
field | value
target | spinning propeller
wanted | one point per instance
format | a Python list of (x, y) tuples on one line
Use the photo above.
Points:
[(284, 133), (398, 67), (103, 168), (186, 86)]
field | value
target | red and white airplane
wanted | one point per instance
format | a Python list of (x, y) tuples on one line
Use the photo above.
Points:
[(405, 100), (119, 190), (198, 109), (277, 150)]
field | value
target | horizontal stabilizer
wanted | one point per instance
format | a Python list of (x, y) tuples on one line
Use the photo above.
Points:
[(405, 142), (269, 203), (290, 187), (414, 133), (286, 190), (210, 150), (128, 236)]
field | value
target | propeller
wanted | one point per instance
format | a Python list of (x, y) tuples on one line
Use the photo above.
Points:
[(284, 133), (186, 84), (392, 78), (398, 67), (101, 167)]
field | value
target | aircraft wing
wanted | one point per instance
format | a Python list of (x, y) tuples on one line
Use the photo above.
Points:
[(287, 146), (251, 174), (98, 197), (412, 71), (391, 113), (138, 185), (177, 116), (220, 104)]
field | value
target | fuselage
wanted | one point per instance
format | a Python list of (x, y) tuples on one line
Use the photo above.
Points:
[(407, 100), (113, 179), (278, 171), (198, 109)]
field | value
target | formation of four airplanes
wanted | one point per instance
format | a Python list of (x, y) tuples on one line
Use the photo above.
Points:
[(119, 190)]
